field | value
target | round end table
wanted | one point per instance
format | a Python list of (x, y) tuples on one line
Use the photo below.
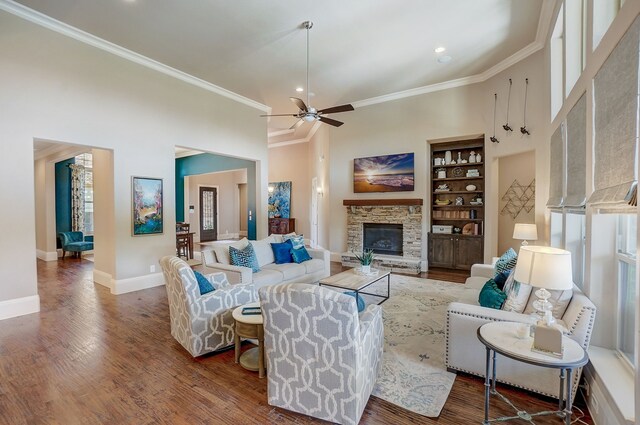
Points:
[(502, 338), (249, 326)]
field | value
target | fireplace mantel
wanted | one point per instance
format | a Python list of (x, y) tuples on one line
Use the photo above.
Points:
[(380, 202)]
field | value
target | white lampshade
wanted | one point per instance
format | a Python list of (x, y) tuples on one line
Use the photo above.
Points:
[(544, 267), (524, 231)]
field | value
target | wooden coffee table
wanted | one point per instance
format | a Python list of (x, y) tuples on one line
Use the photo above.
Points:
[(250, 326), (351, 280)]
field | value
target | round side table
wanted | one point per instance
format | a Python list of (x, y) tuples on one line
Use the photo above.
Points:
[(501, 338), (249, 326)]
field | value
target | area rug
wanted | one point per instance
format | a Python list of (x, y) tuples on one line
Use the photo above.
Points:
[(413, 374)]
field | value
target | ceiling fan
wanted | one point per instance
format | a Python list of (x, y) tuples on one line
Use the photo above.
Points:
[(307, 113)]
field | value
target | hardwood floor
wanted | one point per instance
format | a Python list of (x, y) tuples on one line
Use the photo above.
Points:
[(90, 357)]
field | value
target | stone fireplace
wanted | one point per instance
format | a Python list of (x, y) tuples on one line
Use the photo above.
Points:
[(391, 227)]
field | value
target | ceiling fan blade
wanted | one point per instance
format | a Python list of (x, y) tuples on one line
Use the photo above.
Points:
[(329, 121), (336, 109), (299, 103), (280, 115), (297, 124)]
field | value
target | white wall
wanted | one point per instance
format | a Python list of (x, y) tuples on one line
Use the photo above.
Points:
[(228, 200), (519, 167), (290, 163), (56, 88)]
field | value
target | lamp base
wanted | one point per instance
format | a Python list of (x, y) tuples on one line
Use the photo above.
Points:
[(543, 306)]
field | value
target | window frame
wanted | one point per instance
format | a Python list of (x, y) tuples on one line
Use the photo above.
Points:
[(625, 258)]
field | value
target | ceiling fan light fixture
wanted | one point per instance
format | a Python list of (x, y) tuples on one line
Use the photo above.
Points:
[(309, 118)]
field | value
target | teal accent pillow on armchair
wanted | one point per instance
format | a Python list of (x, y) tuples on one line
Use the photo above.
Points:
[(491, 296)]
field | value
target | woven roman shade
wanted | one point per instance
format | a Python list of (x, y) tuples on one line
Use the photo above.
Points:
[(556, 172), (577, 155), (616, 125)]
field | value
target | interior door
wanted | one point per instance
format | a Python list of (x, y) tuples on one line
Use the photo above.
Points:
[(208, 214)]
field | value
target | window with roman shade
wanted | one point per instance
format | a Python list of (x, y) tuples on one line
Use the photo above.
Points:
[(556, 172), (616, 126), (576, 155)]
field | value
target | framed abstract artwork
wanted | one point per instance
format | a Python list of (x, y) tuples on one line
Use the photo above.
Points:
[(147, 204), (280, 200), (387, 173)]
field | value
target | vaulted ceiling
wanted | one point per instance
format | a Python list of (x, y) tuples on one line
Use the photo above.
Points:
[(359, 50)]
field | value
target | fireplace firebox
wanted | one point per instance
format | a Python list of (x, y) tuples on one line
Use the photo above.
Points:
[(383, 238)]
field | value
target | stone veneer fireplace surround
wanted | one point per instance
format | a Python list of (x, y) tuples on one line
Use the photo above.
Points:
[(407, 212)]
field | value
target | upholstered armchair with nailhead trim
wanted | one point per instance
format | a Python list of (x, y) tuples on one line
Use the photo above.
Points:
[(465, 353), (202, 323)]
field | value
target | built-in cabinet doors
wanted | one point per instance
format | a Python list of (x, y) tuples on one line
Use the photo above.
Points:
[(454, 251)]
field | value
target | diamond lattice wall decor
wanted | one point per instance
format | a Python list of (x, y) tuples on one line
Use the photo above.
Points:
[(519, 197)]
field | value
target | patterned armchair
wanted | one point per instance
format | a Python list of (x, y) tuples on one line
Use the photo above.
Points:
[(322, 357), (202, 323)]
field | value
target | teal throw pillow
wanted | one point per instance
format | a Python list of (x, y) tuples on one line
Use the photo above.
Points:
[(245, 257), (300, 255), (359, 300), (203, 283), (296, 240), (491, 296), (282, 252), (507, 261)]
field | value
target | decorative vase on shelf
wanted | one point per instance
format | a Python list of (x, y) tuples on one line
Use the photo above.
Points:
[(478, 158), (459, 157), (472, 157), (447, 157)]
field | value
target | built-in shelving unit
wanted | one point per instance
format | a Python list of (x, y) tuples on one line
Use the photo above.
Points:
[(456, 229)]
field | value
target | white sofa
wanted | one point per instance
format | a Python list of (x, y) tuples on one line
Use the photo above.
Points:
[(216, 260), (465, 353)]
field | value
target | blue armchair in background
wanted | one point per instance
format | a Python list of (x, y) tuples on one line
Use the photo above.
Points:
[(75, 242)]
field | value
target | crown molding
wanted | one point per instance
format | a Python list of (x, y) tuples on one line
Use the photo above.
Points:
[(544, 23), (84, 37), (280, 132), (305, 139)]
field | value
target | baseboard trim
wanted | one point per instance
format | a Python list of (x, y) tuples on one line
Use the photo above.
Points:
[(46, 256), (103, 278), (123, 286), (19, 307), (336, 257)]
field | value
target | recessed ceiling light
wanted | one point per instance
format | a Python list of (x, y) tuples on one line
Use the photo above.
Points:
[(444, 59), (299, 89), (440, 49)]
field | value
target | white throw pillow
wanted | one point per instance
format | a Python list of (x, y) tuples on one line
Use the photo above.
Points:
[(263, 250), (222, 250), (276, 238), (559, 300), (517, 295)]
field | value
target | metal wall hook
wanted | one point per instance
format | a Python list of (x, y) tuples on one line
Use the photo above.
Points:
[(523, 129), (495, 104), (507, 127)]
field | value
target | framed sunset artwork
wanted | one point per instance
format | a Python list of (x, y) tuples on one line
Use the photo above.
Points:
[(386, 173)]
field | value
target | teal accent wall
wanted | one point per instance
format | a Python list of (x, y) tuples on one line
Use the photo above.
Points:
[(63, 196), (210, 163)]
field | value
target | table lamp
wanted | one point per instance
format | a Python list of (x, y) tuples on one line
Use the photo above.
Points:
[(545, 268), (525, 232)]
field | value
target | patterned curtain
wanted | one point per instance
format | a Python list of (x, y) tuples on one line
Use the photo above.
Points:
[(77, 197)]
